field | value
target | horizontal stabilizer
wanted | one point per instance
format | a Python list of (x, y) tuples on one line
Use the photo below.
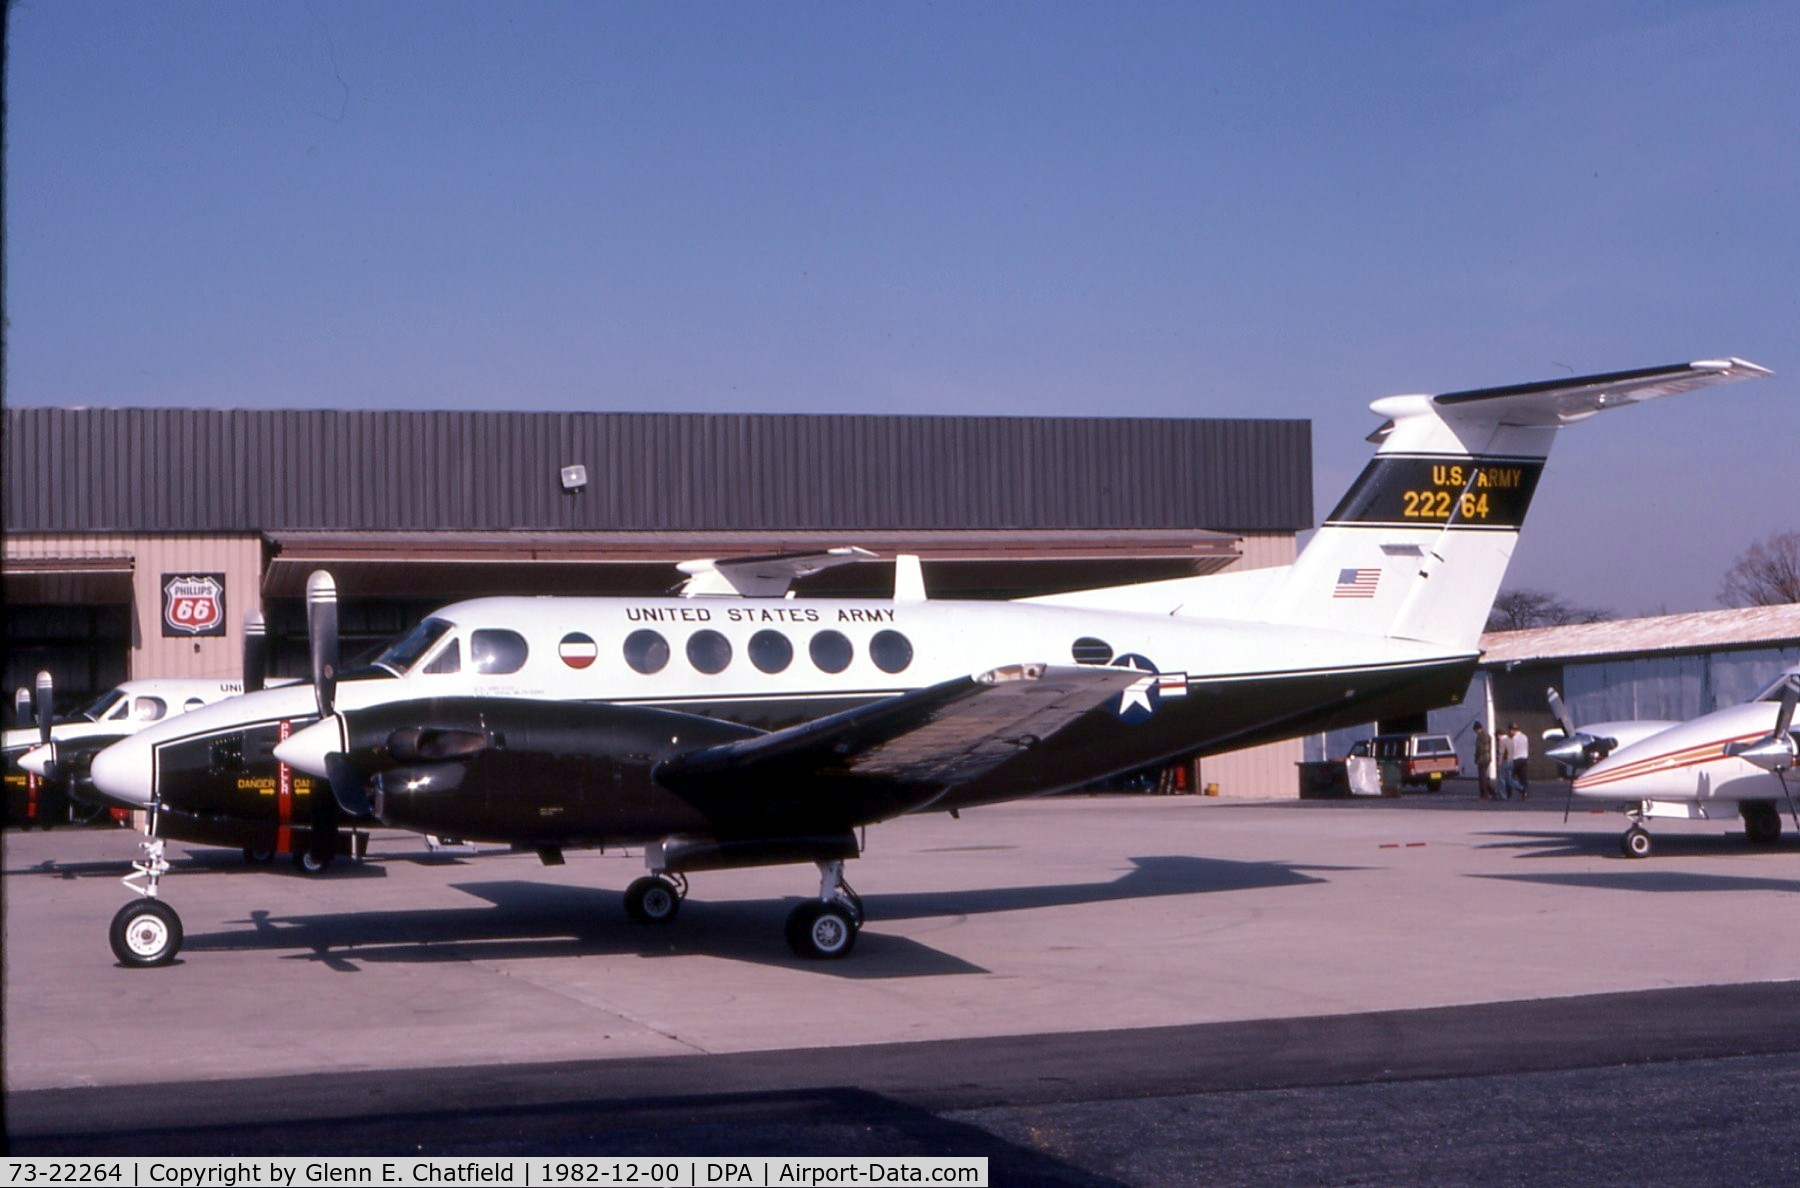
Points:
[(1550, 403)]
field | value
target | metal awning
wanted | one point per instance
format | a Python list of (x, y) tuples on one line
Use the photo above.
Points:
[(963, 563), (66, 580)]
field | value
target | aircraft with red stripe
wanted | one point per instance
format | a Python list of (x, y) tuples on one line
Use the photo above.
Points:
[(1734, 762)]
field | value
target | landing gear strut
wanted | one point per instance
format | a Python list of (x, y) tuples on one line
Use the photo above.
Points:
[(146, 931), (825, 928)]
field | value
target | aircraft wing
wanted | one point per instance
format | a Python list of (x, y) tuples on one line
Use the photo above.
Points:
[(765, 576), (1561, 402), (936, 737)]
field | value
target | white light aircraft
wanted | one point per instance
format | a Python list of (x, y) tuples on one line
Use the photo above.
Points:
[(1733, 762), (743, 730)]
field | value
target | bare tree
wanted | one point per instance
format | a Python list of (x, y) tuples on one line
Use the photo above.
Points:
[(1766, 575), (1517, 610)]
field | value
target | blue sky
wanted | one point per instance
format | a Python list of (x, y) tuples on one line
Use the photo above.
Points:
[(1067, 209)]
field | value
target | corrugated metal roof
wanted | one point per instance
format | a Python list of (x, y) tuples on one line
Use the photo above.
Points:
[(191, 470), (1756, 626)]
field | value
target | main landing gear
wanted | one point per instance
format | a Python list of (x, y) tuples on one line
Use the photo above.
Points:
[(821, 929), (825, 928), (146, 931)]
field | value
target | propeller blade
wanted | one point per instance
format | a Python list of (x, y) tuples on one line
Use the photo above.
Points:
[(347, 786), (22, 705), (325, 814), (1561, 713), (322, 632), (1784, 717), (44, 704), (256, 651), (413, 744)]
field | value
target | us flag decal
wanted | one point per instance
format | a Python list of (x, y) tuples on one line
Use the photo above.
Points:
[(1356, 583), (577, 650)]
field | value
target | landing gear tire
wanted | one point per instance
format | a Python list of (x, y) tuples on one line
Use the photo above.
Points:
[(1635, 844), (307, 862), (652, 900), (821, 931), (1762, 824), (145, 932), (256, 856)]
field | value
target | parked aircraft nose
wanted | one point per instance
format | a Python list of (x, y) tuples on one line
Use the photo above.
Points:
[(124, 771), (37, 759), (305, 750)]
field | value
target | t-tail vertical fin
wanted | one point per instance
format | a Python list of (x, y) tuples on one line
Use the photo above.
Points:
[(1418, 546)]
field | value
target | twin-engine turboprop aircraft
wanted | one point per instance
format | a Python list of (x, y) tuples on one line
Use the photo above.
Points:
[(1733, 762), (743, 730)]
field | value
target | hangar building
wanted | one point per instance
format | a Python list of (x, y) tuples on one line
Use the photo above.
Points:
[(1667, 666), (136, 539)]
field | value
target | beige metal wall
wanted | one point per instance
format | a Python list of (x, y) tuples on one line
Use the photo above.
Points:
[(238, 557), (1269, 771)]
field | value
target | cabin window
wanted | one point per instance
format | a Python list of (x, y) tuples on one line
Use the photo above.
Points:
[(447, 661), (891, 651), (1088, 650), (708, 651), (150, 709), (831, 651), (771, 651), (646, 651), (120, 711), (191, 704), (496, 651)]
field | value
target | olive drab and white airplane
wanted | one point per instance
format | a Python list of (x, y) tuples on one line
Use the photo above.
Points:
[(1733, 762), (39, 792), (737, 727)]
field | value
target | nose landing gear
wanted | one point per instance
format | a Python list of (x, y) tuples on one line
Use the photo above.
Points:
[(146, 931)]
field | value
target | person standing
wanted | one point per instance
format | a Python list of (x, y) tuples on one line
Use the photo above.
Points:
[(1503, 746), (1484, 762), (1518, 749)]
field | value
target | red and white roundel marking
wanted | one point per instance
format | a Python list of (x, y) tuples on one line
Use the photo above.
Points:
[(577, 650)]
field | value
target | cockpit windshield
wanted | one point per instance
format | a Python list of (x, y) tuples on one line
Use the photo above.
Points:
[(414, 646), (98, 708)]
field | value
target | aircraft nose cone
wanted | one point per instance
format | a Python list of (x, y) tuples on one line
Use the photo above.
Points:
[(305, 750), (37, 759), (124, 772)]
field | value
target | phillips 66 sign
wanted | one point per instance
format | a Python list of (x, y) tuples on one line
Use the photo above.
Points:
[(193, 603)]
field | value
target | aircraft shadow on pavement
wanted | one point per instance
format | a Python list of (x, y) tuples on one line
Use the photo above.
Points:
[(1643, 877), (532, 920), (1569, 843)]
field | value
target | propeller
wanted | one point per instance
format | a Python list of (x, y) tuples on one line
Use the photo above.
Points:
[(44, 703), (1578, 749), (22, 705), (1776, 751), (256, 651), (322, 636)]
